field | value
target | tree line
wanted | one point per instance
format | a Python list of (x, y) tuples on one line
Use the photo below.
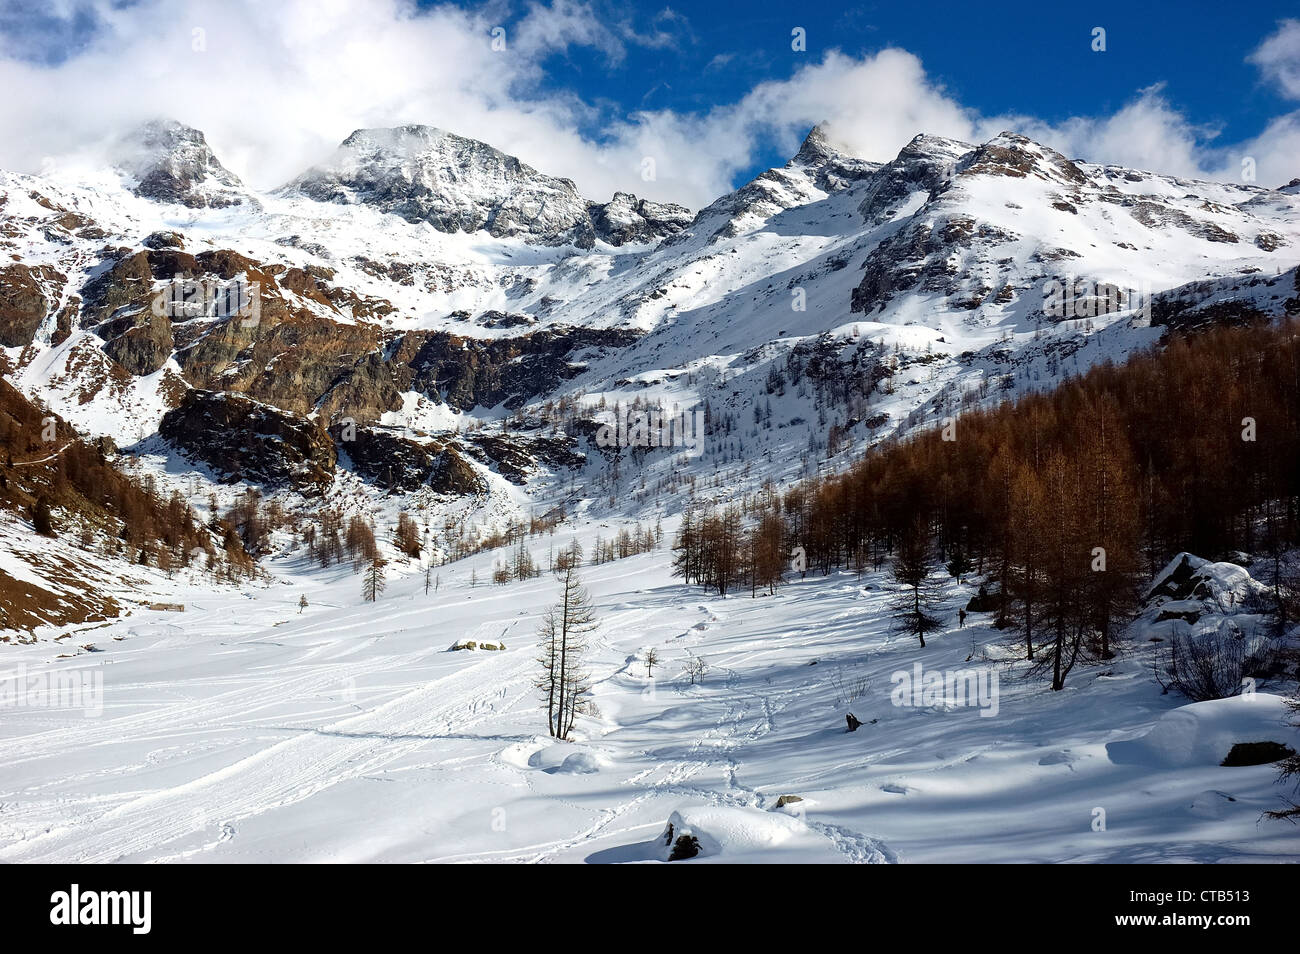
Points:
[(1066, 501), (72, 488)]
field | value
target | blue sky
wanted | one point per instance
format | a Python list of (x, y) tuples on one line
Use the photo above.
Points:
[(711, 92), (1033, 58)]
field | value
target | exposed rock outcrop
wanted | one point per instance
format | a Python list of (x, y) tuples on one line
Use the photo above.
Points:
[(625, 220), (466, 372), (27, 293), (398, 463), (456, 184), (168, 161), (244, 440)]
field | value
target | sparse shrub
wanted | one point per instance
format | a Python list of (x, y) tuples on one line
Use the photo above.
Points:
[(849, 683), (1205, 665)]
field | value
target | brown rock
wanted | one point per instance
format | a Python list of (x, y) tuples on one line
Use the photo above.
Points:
[(26, 295)]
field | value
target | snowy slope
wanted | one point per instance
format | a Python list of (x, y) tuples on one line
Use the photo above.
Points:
[(828, 293), (245, 731)]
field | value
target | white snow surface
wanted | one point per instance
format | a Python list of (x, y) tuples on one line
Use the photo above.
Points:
[(245, 731)]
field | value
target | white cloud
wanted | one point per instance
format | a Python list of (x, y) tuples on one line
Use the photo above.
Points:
[(874, 106), (278, 85), (1147, 133), (1278, 58)]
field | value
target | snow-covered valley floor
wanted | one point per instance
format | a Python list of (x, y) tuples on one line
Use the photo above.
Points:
[(243, 730)]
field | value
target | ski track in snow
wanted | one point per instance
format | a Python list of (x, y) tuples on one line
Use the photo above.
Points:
[(280, 775), (250, 719)]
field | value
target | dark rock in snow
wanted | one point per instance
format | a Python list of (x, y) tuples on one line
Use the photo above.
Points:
[(1257, 753), (172, 162), (398, 463), (245, 440), (164, 239)]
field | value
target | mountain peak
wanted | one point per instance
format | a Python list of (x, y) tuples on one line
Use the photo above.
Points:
[(411, 139), (412, 130), (835, 167), (817, 144), (941, 148), (1011, 154), (172, 162), (456, 184)]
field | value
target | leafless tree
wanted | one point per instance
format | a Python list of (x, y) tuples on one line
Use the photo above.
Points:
[(695, 669), (563, 681)]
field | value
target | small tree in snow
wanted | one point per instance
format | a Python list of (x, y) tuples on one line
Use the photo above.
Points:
[(563, 682), (695, 669), (373, 582), (913, 605)]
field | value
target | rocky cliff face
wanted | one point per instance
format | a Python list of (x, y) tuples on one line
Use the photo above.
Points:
[(468, 372), (455, 184), (26, 296), (399, 464), (244, 440), (170, 162)]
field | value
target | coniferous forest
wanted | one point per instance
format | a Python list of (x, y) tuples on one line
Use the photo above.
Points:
[(1067, 501), (578, 432)]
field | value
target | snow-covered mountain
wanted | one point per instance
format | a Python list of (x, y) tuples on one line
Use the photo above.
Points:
[(423, 174), (171, 163), (426, 287), (428, 334)]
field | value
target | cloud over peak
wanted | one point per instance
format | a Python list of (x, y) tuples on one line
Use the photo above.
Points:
[(277, 86)]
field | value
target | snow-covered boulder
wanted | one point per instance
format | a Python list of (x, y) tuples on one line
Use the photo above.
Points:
[(731, 834), (555, 758), (1203, 733), (1215, 623), (476, 644), (1190, 579), (579, 763)]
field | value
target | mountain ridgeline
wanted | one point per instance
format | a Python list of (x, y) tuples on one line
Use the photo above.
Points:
[(422, 320)]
